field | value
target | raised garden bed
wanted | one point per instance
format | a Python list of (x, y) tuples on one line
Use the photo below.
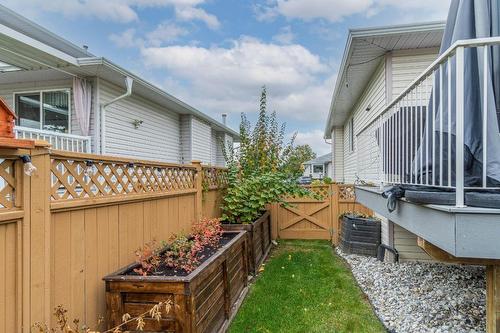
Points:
[(202, 301), (258, 237), (360, 235)]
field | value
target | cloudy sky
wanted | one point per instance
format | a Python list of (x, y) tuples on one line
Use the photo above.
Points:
[(216, 54)]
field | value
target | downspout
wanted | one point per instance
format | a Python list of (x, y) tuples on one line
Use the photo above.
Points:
[(128, 83)]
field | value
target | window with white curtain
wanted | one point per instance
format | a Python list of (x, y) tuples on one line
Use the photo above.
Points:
[(46, 110)]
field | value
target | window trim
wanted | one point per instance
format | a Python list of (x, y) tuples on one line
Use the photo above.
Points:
[(322, 167), (40, 92)]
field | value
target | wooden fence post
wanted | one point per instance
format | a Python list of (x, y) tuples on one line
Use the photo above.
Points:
[(493, 299), (199, 189), (334, 189), (40, 234)]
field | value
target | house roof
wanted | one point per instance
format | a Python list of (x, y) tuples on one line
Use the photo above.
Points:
[(320, 160), (29, 47), (365, 49)]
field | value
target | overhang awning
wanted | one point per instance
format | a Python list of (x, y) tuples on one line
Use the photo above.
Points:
[(26, 53), (364, 51)]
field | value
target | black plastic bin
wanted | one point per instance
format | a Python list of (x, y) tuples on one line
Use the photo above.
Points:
[(360, 235)]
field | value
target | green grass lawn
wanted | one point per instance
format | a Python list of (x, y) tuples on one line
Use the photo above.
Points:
[(305, 288)]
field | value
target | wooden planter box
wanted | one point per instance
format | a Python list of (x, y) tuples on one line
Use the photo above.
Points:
[(360, 235), (258, 238), (203, 301)]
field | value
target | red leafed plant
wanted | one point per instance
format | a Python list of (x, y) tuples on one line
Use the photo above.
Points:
[(182, 252), (208, 232), (148, 257)]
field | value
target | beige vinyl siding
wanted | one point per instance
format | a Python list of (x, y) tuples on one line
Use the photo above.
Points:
[(338, 154), (407, 65), (157, 138), (406, 244), (185, 133), (360, 160), (200, 140)]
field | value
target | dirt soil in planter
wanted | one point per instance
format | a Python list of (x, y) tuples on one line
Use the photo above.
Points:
[(164, 270)]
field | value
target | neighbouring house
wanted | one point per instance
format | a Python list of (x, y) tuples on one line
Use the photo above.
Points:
[(319, 167), (79, 102), (378, 63)]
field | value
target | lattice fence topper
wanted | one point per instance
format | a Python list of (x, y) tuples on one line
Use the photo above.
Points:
[(74, 179), (322, 190), (214, 177), (7, 183), (346, 192)]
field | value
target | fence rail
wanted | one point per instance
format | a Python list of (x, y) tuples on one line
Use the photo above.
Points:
[(82, 216), (424, 124)]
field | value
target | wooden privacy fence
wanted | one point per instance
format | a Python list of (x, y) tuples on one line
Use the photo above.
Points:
[(308, 218), (80, 217)]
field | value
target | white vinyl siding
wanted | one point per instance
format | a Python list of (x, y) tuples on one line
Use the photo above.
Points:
[(217, 154), (201, 140), (185, 139), (157, 138), (359, 161)]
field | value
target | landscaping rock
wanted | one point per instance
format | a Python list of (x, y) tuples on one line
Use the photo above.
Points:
[(423, 297)]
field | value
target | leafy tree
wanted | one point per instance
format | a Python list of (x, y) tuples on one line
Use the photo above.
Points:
[(299, 155), (262, 170)]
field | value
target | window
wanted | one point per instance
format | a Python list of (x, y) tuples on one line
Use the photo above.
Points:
[(318, 168), (47, 110), (351, 135)]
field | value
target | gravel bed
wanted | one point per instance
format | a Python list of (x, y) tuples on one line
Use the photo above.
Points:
[(423, 297)]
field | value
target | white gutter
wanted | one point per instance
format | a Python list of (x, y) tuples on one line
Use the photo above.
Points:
[(189, 109), (128, 83)]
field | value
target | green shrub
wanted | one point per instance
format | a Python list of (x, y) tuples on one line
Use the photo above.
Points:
[(263, 170)]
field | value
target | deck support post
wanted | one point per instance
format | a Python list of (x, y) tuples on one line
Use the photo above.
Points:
[(493, 298)]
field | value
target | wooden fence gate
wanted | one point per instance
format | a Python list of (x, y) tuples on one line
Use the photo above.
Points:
[(308, 218)]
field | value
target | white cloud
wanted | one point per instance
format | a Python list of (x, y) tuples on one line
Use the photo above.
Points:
[(123, 11), (313, 138), (126, 39), (229, 79), (194, 13), (332, 10), (165, 33), (336, 10), (286, 36)]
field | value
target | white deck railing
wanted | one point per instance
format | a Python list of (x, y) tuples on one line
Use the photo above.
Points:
[(398, 131), (61, 141)]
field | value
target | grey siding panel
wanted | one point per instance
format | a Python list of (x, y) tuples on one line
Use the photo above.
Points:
[(201, 140), (157, 138)]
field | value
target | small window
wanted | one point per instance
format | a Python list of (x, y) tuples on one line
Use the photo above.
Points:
[(47, 110), (318, 168), (351, 135)]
